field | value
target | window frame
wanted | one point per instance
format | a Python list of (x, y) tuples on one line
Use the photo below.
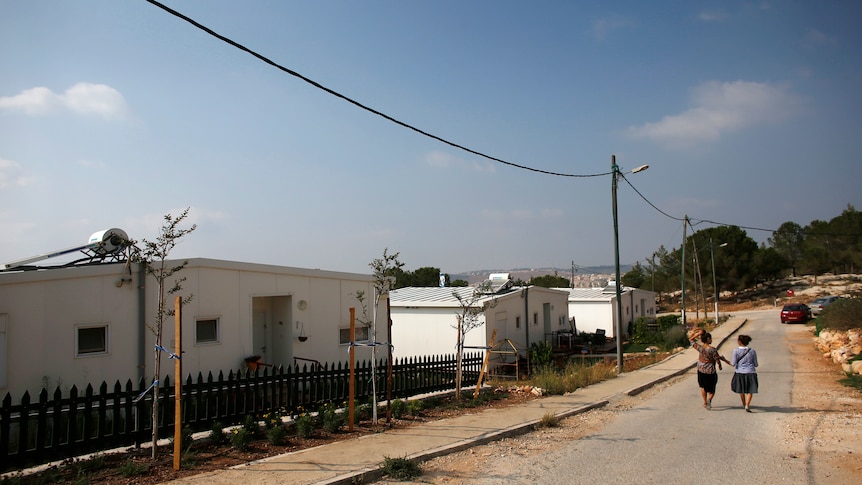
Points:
[(106, 335), (345, 331), (216, 340)]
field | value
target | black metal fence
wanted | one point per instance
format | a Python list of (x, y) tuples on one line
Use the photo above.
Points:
[(58, 427)]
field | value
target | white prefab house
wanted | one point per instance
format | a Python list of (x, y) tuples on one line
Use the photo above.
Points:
[(86, 324), (596, 309), (424, 320)]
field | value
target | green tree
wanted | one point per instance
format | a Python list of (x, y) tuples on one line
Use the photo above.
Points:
[(153, 257), (426, 276), (548, 281), (634, 277), (846, 232), (769, 263), (788, 241), (816, 255)]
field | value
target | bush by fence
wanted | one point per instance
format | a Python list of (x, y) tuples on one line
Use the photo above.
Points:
[(56, 426)]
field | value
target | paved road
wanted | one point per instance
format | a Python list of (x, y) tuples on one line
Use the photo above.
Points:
[(671, 438)]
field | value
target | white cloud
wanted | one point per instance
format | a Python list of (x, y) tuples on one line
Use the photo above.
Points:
[(815, 39), (712, 16), (11, 175), (444, 160), (82, 98), (720, 108), (602, 28)]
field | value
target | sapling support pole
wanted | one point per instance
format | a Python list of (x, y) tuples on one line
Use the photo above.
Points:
[(485, 364), (352, 383), (178, 384)]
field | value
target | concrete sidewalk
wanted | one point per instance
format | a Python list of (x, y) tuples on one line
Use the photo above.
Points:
[(360, 459)]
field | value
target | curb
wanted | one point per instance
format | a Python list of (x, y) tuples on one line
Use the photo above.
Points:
[(517, 430), (373, 474)]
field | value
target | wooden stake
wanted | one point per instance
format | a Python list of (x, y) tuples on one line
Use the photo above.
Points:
[(352, 385), (178, 385), (485, 364)]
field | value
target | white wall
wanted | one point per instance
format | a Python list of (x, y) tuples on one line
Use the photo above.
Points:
[(429, 330), (593, 315), (43, 309)]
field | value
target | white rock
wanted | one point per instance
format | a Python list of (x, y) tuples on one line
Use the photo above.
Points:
[(856, 366)]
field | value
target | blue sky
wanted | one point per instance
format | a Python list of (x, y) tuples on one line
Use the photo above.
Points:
[(113, 114)]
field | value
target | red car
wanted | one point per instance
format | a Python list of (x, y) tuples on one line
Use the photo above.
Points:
[(795, 313)]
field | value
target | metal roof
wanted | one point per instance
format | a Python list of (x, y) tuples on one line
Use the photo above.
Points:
[(592, 294), (436, 296)]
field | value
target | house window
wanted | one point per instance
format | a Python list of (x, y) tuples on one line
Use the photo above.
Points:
[(344, 335), (91, 340), (518, 322), (535, 319), (207, 331)]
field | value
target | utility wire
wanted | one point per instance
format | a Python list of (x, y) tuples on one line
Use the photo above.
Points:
[(707, 221), (425, 133), (357, 103)]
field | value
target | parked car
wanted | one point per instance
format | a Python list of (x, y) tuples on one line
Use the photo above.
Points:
[(819, 304), (795, 313)]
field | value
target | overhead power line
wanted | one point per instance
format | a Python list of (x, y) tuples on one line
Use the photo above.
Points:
[(420, 131), (357, 103)]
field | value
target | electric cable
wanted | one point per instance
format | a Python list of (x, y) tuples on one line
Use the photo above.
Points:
[(357, 103)]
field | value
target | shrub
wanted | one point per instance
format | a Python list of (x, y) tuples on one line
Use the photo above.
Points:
[(541, 354), (330, 418), (398, 408), (842, 314), (401, 468), (304, 425), (640, 332), (363, 411), (217, 435), (277, 435), (665, 322), (415, 407), (673, 337), (250, 425), (271, 420), (240, 438)]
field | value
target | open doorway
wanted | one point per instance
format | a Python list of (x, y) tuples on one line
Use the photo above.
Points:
[(272, 329)]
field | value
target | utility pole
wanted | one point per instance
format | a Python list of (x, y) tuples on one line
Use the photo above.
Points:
[(682, 265), (618, 328)]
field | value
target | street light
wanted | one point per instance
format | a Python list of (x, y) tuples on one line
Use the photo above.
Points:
[(714, 287), (615, 172)]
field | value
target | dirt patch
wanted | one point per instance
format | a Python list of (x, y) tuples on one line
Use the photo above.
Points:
[(135, 466), (826, 431)]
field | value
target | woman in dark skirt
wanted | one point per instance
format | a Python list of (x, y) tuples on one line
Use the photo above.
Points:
[(744, 380)]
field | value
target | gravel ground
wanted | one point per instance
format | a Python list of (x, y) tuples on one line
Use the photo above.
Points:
[(825, 438)]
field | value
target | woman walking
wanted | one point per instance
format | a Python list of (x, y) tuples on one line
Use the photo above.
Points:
[(708, 358), (744, 380)]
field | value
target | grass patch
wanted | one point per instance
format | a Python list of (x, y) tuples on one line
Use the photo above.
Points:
[(401, 468), (131, 468), (574, 376), (853, 380), (549, 420)]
